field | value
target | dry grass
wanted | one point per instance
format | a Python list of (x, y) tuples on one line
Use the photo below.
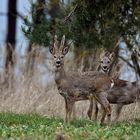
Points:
[(38, 93)]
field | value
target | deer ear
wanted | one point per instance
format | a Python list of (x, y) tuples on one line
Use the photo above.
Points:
[(107, 53), (52, 50), (65, 50), (104, 53), (112, 55)]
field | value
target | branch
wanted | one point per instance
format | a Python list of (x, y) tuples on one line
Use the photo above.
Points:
[(70, 14), (14, 14), (135, 62), (129, 64), (20, 15), (2, 14)]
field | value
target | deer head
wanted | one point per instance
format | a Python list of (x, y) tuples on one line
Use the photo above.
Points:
[(106, 61), (58, 50)]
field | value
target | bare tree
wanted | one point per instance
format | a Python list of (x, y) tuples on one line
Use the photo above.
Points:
[(11, 31), (10, 43)]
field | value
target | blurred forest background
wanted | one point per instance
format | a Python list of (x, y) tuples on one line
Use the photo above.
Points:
[(90, 26)]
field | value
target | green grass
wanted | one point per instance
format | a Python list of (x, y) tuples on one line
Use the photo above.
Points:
[(33, 126)]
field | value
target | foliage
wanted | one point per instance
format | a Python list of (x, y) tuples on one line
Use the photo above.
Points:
[(34, 31), (93, 23), (105, 21), (42, 31), (33, 126)]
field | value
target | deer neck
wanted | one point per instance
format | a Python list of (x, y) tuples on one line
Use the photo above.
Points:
[(106, 72), (59, 75)]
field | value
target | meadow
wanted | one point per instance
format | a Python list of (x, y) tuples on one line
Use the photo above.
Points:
[(36, 127), (24, 95)]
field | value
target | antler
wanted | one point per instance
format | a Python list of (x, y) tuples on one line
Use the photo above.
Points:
[(55, 42), (54, 47), (62, 43)]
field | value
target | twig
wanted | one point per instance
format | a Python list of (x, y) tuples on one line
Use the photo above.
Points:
[(69, 44), (2, 14), (129, 64), (70, 14), (135, 62), (14, 14)]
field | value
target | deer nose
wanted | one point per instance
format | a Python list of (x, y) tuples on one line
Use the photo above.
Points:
[(105, 67), (58, 62)]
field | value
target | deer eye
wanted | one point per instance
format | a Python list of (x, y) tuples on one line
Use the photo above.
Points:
[(101, 61), (54, 56), (62, 57), (108, 62)]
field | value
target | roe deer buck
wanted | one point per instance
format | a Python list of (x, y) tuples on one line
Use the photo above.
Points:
[(74, 86), (120, 93)]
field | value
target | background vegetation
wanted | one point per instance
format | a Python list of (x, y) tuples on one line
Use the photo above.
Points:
[(92, 23), (27, 81)]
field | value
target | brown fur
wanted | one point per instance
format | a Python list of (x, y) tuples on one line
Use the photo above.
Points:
[(75, 87), (122, 93)]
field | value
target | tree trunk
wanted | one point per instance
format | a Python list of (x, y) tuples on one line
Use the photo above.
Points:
[(10, 43), (54, 12), (11, 32)]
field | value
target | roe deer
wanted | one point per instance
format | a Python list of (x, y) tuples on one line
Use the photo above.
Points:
[(74, 86), (103, 67), (120, 93), (124, 95)]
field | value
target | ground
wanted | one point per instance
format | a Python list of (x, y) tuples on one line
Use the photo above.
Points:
[(33, 126)]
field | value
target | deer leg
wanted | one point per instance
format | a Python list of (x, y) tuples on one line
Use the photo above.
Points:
[(102, 99), (118, 111), (89, 113), (71, 105), (74, 112), (67, 110), (68, 106), (103, 114), (93, 103), (96, 109)]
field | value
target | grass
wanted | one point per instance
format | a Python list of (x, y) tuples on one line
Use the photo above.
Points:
[(33, 126)]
